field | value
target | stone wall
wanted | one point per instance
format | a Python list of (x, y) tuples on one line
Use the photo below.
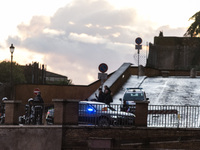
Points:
[(30, 137), (54, 137), (174, 53), (130, 138)]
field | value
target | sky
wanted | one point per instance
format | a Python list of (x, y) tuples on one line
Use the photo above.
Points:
[(73, 37)]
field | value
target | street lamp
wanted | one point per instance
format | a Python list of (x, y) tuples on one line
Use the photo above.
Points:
[(12, 48)]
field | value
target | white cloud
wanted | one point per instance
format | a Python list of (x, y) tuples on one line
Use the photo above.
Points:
[(52, 31), (88, 25), (87, 38), (71, 23), (117, 34), (85, 33), (91, 78), (35, 27)]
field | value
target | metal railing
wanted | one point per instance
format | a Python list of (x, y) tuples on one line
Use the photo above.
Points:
[(99, 115), (176, 116), (173, 116)]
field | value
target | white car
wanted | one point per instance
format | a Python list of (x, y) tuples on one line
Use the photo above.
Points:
[(131, 95), (102, 114)]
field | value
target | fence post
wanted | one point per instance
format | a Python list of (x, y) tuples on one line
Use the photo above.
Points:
[(66, 111), (141, 113), (12, 108)]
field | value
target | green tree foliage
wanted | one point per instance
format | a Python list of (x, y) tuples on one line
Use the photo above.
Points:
[(194, 28), (5, 73), (30, 74)]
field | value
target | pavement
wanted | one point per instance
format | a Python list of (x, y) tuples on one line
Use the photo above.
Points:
[(165, 90)]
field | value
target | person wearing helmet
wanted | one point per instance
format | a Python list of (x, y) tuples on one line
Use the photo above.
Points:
[(3, 109), (38, 105), (30, 111), (5, 98)]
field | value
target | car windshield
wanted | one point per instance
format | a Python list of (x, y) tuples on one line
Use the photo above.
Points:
[(133, 96)]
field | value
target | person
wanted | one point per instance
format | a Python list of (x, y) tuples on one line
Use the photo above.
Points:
[(108, 96), (30, 112), (101, 96), (2, 117), (107, 88), (3, 105), (38, 105), (38, 99)]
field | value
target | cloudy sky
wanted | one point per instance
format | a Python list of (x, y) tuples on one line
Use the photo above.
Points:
[(72, 37)]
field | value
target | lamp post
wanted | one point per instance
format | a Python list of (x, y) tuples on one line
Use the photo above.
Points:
[(12, 48)]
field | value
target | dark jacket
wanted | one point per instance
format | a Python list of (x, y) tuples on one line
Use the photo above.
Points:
[(101, 97), (38, 100), (108, 99)]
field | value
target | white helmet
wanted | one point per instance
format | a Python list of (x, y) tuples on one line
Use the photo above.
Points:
[(30, 99), (5, 98)]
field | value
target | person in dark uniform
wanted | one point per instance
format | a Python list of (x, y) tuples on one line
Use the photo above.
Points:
[(101, 96), (108, 95), (38, 99), (107, 89), (38, 105)]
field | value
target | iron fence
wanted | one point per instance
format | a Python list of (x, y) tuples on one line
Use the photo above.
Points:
[(173, 116), (177, 116), (98, 115)]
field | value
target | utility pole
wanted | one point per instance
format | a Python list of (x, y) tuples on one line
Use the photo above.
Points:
[(138, 46)]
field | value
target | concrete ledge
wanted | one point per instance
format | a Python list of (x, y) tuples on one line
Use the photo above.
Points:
[(30, 126), (100, 143), (165, 73), (142, 102), (65, 100), (12, 102)]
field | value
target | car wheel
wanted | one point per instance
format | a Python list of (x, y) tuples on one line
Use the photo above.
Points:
[(103, 122), (115, 123)]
